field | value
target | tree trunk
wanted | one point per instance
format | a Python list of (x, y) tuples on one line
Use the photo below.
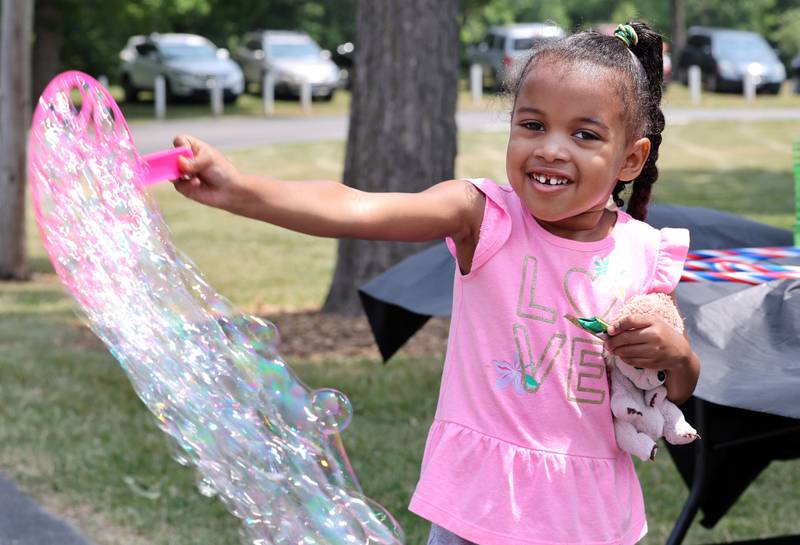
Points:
[(678, 31), (402, 135), (16, 21)]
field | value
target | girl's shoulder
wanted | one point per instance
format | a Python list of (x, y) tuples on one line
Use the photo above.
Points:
[(633, 230), (663, 249), (492, 190), (494, 224)]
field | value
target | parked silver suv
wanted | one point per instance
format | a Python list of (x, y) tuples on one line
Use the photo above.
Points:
[(292, 58), (190, 64), (507, 44)]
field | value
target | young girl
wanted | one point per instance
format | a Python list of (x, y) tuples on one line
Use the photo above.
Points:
[(522, 448)]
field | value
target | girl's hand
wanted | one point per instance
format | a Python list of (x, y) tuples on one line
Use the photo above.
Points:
[(209, 178), (649, 342)]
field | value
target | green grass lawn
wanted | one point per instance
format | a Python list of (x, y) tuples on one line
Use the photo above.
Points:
[(677, 95), (75, 436)]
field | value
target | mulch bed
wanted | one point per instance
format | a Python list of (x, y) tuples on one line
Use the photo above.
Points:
[(311, 335)]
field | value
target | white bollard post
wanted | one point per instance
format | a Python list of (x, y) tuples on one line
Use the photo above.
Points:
[(694, 83), (476, 82), (102, 79), (268, 93), (305, 96), (216, 96), (749, 85), (160, 91)]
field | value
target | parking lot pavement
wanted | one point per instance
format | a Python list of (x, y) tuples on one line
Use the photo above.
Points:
[(234, 133), (24, 522)]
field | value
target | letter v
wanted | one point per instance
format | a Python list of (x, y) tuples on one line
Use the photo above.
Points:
[(534, 372)]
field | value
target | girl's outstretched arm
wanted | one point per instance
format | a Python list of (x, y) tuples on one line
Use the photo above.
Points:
[(330, 209)]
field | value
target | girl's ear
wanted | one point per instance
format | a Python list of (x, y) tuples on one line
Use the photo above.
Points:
[(635, 158)]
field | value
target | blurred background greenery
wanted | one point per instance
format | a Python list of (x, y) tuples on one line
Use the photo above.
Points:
[(88, 34)]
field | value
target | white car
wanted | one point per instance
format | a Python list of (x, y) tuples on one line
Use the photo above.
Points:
[(190, 64), (505, 46), (292, 58)]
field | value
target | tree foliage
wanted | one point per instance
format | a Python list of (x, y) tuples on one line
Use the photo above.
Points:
[(775, 19), (787, 33), (94, 31)]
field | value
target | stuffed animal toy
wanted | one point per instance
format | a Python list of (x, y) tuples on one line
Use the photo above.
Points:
[(642, 413)]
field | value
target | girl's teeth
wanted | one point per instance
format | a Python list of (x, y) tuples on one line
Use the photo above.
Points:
[(548, 180)]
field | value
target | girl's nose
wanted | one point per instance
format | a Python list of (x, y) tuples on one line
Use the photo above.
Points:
[(552, 149)]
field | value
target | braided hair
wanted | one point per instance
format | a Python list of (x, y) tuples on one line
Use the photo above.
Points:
[(640, 90)]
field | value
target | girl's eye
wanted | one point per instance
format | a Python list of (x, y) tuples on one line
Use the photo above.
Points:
[(532, 125), (586, 135)]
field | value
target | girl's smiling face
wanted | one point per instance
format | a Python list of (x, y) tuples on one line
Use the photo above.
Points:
[(569, 145)]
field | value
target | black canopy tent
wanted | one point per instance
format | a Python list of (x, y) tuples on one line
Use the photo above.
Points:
[(746, 405), (400, 301)]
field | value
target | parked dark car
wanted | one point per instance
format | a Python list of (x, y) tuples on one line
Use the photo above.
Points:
[(725, 56)]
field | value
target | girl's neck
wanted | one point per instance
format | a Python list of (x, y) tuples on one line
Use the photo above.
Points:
[(589, 226)]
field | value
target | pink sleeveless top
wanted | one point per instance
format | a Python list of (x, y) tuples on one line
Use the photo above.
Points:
[(522, 448)]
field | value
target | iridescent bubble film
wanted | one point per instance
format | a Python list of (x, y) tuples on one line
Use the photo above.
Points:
[(264, 443)]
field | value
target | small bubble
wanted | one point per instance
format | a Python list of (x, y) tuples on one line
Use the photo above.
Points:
[(333, 410)]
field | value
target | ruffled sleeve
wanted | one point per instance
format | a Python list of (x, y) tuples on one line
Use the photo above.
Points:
[(495, 225), (672, 251)]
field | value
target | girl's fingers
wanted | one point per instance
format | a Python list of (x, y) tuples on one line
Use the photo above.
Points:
[(189, 141), (186, 167), (627, 338), (201, 158), (182, 185), (633, 352), (645, 363), (634, 321)]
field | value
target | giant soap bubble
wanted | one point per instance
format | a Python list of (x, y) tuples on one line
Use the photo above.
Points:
[(262, 441)]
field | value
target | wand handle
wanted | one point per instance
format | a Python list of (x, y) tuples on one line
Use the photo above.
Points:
[(163, 165)]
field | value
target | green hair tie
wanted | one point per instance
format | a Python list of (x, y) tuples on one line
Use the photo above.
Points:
[(627, 35)]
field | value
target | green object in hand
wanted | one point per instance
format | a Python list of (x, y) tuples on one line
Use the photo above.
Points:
[(595, 325)]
